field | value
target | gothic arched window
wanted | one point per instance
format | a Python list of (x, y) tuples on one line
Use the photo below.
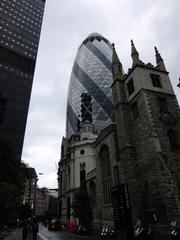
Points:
[(106, 174)]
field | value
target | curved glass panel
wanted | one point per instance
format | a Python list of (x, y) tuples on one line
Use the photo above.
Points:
[(91, 73)]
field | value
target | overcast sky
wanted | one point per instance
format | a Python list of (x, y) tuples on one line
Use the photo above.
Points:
[(66, 24)]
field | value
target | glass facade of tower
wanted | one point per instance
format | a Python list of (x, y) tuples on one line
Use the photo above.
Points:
[(20, 26), (91, 73)]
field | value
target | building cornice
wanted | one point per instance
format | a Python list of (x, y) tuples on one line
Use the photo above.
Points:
[(148, 66)]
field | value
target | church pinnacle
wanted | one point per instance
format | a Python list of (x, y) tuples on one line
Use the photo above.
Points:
[(134, 54), (159, 60), (116, 65)]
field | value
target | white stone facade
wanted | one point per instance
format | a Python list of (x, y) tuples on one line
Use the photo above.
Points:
[(77, 154)]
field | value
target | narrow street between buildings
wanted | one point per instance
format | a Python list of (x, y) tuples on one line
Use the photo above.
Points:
[(45, 234)]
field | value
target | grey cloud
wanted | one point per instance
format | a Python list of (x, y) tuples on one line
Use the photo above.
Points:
[(65, 25)]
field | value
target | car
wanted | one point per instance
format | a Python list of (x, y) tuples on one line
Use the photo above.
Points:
[(55, 225)]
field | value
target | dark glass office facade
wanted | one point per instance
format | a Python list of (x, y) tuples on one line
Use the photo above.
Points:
[(91, 73), (20, 26)]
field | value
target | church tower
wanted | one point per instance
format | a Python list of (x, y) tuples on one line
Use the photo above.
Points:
[(148, 127)]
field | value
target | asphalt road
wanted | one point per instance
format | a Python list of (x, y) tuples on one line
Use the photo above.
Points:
[(45, 234)]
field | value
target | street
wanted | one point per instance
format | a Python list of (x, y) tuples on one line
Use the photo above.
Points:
[(45, 234)]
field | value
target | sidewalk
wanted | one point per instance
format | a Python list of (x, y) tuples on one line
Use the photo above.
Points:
[(17, 235), (5, 233)]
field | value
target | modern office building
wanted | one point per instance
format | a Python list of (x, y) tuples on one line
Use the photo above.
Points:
[(91, 73), (20, 26)]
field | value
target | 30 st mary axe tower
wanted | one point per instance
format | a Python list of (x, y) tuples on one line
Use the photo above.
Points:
[(91, 73), (20, 26)]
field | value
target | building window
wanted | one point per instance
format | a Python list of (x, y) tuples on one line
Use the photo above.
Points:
[(172, 138), (130, 87), (135, 110), (167, 119), (3, 104), (82, 151), (156, 80), (82, 173), (92, 192), (69, 177), (106, 174), (116, 175), (162, 104)]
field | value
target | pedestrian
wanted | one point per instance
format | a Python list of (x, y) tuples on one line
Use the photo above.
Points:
[(25, 230), (35, 229), (17, 223)]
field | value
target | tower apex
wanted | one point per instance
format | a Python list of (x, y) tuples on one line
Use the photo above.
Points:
[(159, 60), (116, 65), (134, 54)]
